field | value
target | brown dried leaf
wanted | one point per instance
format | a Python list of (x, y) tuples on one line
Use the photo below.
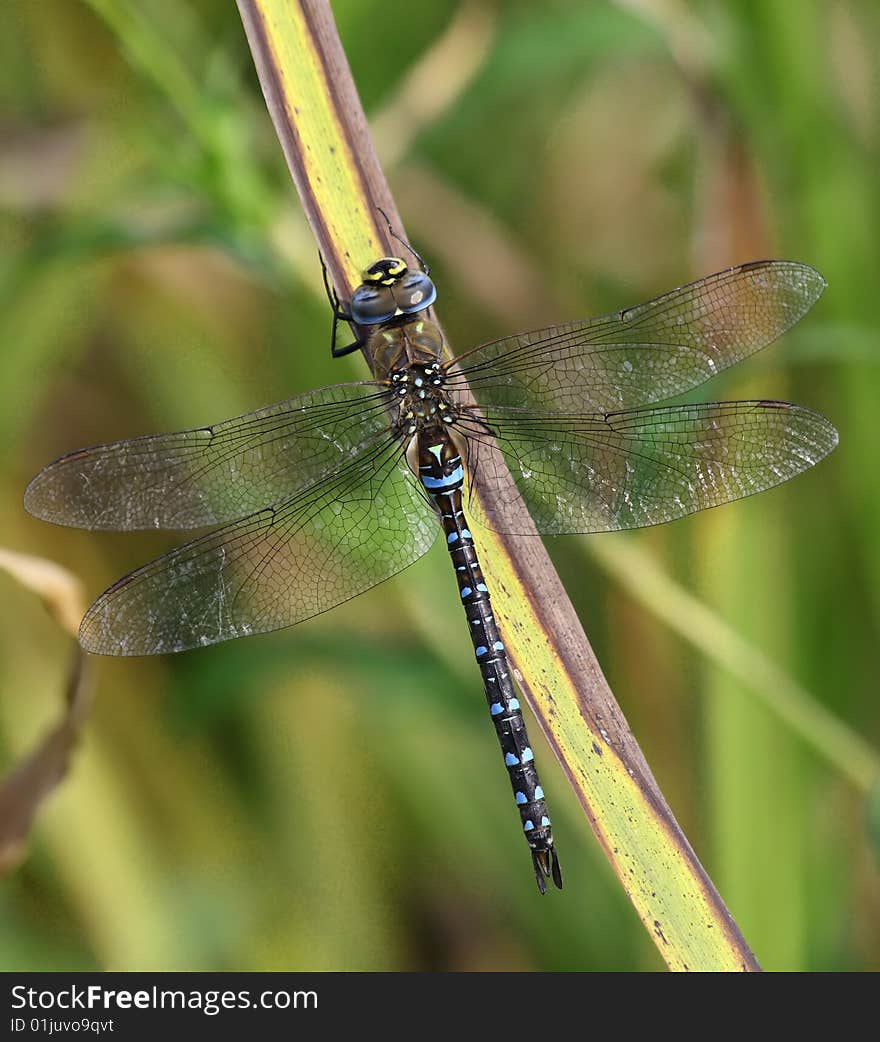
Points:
[(37, 774)]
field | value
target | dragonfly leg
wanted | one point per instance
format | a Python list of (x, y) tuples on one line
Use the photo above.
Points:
[(338, 352), (403, 242), (340, 314)]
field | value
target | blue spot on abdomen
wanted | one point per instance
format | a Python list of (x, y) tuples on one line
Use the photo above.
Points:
[(455, 478)]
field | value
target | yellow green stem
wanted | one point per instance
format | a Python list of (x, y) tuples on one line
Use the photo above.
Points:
[(321, 125)]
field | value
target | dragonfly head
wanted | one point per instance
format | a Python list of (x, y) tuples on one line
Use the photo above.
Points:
[(391, 289)]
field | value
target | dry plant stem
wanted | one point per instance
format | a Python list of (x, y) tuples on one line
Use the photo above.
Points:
[(35, 777), (322, 128)]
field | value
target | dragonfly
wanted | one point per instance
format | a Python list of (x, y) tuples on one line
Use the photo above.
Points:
[(316, 499)]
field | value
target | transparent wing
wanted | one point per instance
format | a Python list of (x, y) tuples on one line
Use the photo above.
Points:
[(210, 475), (647, 353), (599, 473), (330, 542)]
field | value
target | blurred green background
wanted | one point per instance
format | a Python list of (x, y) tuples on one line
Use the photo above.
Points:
[(279, 802)]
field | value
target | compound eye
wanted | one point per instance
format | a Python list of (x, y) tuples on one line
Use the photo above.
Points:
[(415, 292), (372, 304)]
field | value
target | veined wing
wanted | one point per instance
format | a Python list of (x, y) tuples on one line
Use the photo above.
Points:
[(210, 475), (646, 353), (330, 542), (640, 467)]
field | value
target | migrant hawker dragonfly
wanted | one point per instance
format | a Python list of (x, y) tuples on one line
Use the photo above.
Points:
[(324, 495)]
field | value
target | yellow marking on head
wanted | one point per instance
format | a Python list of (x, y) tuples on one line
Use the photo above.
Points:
[(372, 276), (388, 282), (398, 268)]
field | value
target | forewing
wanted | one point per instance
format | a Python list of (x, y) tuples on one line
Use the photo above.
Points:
[(210, 475), (642, 467), (646, 353), (277, 567)]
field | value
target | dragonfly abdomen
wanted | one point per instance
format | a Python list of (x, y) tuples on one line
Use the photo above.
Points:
[(442, 474)]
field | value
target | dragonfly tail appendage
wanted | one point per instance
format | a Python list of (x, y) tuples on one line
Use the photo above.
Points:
[(546, 864)]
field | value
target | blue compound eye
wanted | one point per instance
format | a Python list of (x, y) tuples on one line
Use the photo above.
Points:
[(414, 292), (371, 304)]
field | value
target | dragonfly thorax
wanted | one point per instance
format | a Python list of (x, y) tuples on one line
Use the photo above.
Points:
[(396, 348), (423, 402)]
